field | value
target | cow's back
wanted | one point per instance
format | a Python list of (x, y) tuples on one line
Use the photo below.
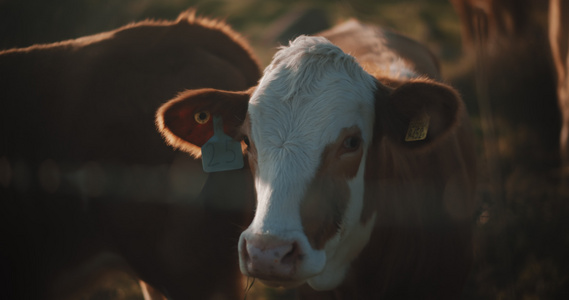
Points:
[(377, 48), (95, 97)]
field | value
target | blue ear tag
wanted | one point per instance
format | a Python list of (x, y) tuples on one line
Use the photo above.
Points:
[(221, 152)]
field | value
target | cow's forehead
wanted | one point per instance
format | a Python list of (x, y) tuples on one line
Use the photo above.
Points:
[(311, 90)]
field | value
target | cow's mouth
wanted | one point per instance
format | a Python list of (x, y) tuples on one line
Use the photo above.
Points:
[(280, 283)]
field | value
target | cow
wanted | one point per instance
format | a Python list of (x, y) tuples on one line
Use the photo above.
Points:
[(514, 85), (491, 20), (363, 165), (540, 47), (86, 181), (559, 41)]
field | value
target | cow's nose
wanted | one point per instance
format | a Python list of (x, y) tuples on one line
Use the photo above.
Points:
[(270, 258)]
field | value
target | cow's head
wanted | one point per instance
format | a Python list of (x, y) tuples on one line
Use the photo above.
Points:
[(306, 130)]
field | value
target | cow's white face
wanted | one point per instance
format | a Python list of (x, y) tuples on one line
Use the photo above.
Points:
[(310, 122)]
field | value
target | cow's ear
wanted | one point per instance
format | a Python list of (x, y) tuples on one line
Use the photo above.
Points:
[(417, 113), (186, 122)]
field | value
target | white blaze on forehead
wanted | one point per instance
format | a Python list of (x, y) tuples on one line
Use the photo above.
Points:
[(308, 94)]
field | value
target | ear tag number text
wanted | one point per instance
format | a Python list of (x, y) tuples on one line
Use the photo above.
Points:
[(418, 128), (221, 152)]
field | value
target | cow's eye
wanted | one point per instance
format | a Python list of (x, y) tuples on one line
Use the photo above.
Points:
[(246, 141), (202, 117), (352, 143)]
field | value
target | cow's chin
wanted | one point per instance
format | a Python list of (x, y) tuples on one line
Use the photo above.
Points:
[(282, 284), (322, 282), (327, 280)]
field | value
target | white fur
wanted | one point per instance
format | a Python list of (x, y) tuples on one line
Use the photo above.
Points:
[(310, 92)]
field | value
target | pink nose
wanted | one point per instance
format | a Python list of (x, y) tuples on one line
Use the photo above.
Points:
[(269, 258)]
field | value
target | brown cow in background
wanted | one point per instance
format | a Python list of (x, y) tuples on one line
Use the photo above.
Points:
[(86, 181), (491, 20), (520, 239), (559, 42), (500, 28), (515, 82)]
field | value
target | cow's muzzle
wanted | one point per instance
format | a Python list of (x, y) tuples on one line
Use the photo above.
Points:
[(276, 261)]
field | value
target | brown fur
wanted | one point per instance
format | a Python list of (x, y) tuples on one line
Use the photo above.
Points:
[(375, 47), (509, 37), (87, 106), (559, 42), (421, 246), (491, 20), (328, 194)]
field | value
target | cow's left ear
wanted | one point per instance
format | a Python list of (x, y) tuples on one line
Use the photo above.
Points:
[(186, 122), (417, 113)]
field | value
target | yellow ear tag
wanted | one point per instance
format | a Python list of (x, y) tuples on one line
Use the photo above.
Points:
[(418, 128), (221, 152)]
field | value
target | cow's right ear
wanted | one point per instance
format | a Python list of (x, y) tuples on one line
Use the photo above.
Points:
[(418, 113), (186, 122)]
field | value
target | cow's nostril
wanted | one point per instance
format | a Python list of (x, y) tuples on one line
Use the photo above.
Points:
[(269, 257), (292, 256)]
